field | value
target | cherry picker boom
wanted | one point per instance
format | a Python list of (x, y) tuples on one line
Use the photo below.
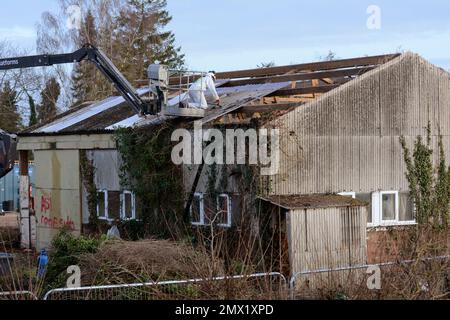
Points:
[(92, 54), (87, 52), (159, 85)]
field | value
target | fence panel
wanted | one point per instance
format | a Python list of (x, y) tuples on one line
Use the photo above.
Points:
[(426, 278), (256, 286), (18, 295)]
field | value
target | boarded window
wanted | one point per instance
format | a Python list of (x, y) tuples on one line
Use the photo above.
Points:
[(102, 203), (196, 209), (388, 206), (138, 208), (367, 198), (128, 204), (223, 208), (210, 210), (406, 207), (113, 204)]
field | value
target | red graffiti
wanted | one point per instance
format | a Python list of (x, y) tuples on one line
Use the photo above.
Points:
[(57, 223), (46, 203)]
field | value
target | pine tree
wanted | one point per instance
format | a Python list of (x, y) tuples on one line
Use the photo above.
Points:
[(9, 114), (33, 116), (142, 40), (49, 96), (86, 80)]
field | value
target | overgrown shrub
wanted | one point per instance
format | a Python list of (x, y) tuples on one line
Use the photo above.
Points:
[(429, 186), (65, 251), (132, 230)]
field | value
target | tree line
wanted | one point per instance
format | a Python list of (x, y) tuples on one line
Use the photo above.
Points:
[(132, 33)]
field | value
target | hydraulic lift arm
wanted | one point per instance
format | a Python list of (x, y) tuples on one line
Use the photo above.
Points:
[(87, 52)]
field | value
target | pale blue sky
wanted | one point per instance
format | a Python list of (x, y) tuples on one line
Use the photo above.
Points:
[(236, 34)]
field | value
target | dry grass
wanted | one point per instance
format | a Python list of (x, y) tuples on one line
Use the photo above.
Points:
[(420, 278), (147, 260), (122, 262)]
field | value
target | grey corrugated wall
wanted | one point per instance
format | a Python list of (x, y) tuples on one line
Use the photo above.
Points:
[(327, 238), (348, 139)]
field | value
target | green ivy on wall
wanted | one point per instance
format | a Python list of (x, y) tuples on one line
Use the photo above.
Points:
[(429, 186), (88, 174), (147, 170)]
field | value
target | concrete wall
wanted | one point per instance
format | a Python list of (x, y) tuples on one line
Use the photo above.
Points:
[(58, 200), (57, 193)]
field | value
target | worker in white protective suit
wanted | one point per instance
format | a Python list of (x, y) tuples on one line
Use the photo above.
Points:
[(196, 92)]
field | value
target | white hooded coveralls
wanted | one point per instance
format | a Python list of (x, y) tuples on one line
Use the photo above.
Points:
[(196, 93)]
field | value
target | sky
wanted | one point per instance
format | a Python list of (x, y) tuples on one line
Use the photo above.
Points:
[(238, 34)]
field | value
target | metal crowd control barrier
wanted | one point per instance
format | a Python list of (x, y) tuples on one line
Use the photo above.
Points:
[(174, 289), (293, 279), (18, 295)]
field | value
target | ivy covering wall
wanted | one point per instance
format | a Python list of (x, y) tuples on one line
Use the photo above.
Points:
[(148, 171)]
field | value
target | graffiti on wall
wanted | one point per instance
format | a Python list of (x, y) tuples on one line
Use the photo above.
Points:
[(57, 223), (46, 203), (53, 222)]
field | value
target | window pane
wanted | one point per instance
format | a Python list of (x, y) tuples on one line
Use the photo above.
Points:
[(406, 207), (101, 204), (223, 210), (195, 210), (366, 197), (388, 206), (114, 205), (128, 205)]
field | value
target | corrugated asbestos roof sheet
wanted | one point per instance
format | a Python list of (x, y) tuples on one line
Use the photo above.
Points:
[(291, 202), (236, 89), (96, 116), (233, 98), (114, 112)]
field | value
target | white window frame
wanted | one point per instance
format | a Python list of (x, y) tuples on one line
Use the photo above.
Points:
[(396, 213), (377, 214), (105, 193), (123, 215), (228, 224), (198, 195)]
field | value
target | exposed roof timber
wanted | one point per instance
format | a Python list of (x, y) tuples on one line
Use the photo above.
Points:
[(305, 90), (268, 107), (286, 70), (315, 66), (301, 76)]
